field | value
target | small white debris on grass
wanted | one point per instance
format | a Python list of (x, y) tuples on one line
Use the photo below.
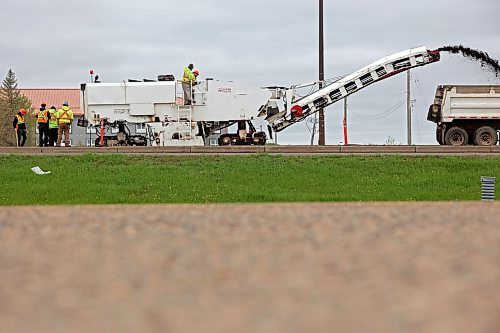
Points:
[(39, 171)]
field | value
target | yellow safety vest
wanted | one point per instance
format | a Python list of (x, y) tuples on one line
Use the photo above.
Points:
[(65, 115), (188, 75), (53, 119)]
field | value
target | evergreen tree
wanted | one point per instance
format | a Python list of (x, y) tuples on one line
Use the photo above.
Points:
[(11, 101)]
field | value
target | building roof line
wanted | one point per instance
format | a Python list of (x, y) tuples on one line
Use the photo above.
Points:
[(47, 88)]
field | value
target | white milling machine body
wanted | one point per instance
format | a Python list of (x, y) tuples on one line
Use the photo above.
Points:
[(297, 108), (160, 105)]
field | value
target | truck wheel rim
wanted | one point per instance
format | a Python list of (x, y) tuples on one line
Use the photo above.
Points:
[(457, 138), (485, 139)]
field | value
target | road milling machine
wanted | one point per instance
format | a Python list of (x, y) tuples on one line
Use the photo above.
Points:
[(159, 104)]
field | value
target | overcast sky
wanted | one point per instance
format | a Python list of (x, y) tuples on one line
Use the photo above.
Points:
[(53, 44)]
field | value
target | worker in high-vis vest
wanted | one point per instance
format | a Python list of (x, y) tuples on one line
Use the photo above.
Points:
[(53, 126), (65, 118), (43, 126), (187, 84), (19, 125)]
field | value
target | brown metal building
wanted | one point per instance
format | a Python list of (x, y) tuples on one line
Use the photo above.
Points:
[(54, 97)]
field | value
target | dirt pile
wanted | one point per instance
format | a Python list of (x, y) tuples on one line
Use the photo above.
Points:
[(483, 57)]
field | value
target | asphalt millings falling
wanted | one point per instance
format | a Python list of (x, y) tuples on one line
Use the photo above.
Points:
[(477, 55)]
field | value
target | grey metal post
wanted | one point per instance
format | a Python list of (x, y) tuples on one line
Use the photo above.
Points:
[(314, 129), (408, 106)]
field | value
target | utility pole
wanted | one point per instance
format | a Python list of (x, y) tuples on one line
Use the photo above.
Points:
[(322, 141), (408, 106), (315, 122), (346, 142)]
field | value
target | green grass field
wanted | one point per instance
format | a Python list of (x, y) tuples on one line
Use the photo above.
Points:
[(139, 179)]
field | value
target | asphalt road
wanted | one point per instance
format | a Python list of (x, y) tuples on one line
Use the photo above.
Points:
[(395, 267)]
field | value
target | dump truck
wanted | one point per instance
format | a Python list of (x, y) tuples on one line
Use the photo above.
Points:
[(466, 115)]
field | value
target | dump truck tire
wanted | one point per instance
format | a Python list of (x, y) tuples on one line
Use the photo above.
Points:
[(456, 136), (485, 136)]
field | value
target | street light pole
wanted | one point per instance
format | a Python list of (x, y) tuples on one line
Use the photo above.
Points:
[(322, 141)]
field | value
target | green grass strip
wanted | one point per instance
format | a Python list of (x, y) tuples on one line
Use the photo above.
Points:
[(146, 179)]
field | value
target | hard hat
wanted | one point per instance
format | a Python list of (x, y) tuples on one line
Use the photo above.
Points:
[(53, 107), (44, 104), (66, 103), (196, 72), (23, 111)]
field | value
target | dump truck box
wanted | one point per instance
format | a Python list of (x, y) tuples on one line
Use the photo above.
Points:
[(466, 114), (465, 102)]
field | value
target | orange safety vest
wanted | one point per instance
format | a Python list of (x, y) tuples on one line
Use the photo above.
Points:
[(43, 116), (20, 120)]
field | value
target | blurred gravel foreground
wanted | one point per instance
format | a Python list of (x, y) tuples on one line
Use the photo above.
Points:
[(382, 267)]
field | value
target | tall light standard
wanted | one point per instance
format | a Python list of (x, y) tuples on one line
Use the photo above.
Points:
[(322, 141)]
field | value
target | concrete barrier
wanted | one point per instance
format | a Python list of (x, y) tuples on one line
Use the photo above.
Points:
[(378, 149), (154, 150), (228, 150), (453, 150), (495, 149), (78, 150), (297, 150), (20, 150), (303, 149)]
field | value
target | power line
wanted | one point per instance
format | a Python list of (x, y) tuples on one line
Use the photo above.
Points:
[(384, 114)]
